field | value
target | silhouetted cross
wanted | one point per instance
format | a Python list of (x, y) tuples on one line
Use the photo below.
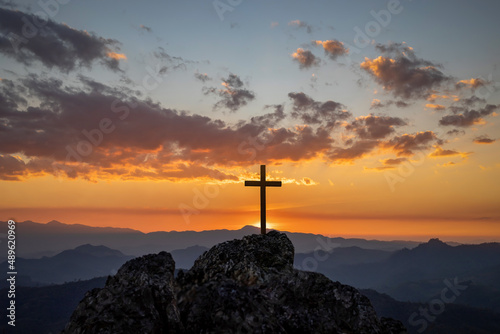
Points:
[(263, 184)]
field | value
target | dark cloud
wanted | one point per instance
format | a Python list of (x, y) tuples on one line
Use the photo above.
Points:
[(394, 48), (27, 38), (145, 28), (233, 96), (272, 119), (333, 48), (377, 104), (468, 117), (393, 162), (406, 144), (301, 25), (400, 72), (484, 140), (305, 58), (93, 131), (374, 127), (169, 62), (380, 168), (203, 77), (358, 150), (312, 112), (456, 132)]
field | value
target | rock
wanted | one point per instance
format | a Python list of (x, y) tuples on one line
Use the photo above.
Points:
[(138, 299), (250, 286), (239, 286)]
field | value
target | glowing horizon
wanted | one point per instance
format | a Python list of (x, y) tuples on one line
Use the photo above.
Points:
[(376, 129)]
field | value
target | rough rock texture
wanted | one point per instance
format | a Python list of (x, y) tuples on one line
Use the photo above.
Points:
[(250, 286), (240, 286), (138, 299)]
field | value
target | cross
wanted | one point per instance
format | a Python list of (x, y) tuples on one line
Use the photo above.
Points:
[(263, 184)]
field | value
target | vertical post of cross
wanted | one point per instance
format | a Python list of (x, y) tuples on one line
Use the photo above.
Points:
[(263, 184), (263, 199)]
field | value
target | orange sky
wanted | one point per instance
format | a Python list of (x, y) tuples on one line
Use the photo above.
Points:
[(453, 203), (390, 135)]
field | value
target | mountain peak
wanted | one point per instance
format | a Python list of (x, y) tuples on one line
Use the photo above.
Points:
[(243, 285), (97, 251), (432, 245), (55, 222), (435, 242), (249, 228)]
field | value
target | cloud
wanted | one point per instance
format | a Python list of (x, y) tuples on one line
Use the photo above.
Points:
[(393, 162), (306, 181), (455, 132), (312, 112), (305, 58), (272, 119), (468, 117), (407, 144), (379, 168), (433, 97), (484, 140), (302, 25), (472, 83), (203, 77), (333, 48), (145, 28), (116, 56), (438, 107), (374, 127), (358, 150), (93, 131), (439, 152), (233, 96), (166, 62), (400, 72), (54, 45), (274, 24), (377, 104)]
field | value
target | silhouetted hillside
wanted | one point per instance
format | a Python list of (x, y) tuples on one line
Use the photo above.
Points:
[(184, 258), (432, 260), (44, 310), (456, 319), (54, 237), (83, 262), (340, 256)]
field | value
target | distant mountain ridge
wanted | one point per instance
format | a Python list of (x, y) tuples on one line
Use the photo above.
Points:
[(417, 274), (51, 238), (82, 263)]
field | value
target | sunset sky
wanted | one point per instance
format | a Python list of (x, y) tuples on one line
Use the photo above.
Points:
[(380, 117)]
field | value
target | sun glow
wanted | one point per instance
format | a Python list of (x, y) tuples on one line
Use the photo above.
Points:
[(269, 225)]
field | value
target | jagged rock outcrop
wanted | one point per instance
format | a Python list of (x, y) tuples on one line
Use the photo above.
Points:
[(138, 299), (239, 286)]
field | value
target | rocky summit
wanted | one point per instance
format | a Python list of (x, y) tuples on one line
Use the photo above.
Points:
[(239, 286)]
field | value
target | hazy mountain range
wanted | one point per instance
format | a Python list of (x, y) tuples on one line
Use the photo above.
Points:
[(409, 273), (83, 263), (419, 274), (36, 240)]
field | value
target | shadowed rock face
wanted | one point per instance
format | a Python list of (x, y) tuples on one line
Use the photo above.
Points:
[(138, 299), (239, 286)]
